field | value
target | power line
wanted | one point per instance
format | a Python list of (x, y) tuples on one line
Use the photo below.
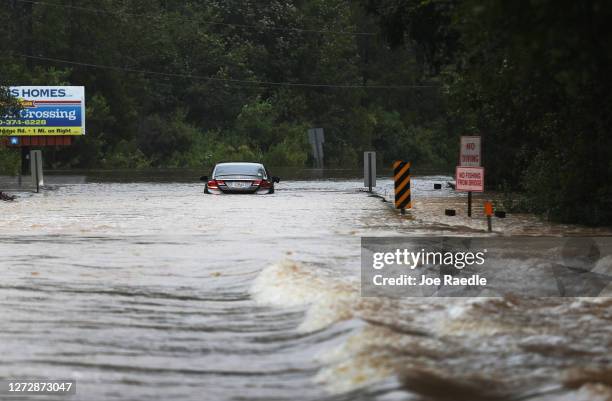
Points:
[(223, 80), (205, 22)]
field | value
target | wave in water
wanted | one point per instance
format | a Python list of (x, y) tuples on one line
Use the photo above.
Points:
[(442, 349)]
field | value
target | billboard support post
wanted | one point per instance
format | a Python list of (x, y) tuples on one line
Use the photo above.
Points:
[(25, 162), (36, 167)]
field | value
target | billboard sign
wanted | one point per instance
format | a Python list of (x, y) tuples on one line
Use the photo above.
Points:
[(46, 110), (469, 179), (469, 151)]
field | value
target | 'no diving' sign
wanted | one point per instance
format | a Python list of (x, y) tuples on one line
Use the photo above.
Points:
[(469, 151), (401, 177)]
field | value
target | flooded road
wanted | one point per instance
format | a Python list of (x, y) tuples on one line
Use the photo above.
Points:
[(147, 291)]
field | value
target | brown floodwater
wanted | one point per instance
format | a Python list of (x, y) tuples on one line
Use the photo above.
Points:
[(149, 289)]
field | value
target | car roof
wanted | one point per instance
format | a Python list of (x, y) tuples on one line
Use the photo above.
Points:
[(240, 164)]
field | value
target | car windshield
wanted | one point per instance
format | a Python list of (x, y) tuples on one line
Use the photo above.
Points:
[(240, 169)]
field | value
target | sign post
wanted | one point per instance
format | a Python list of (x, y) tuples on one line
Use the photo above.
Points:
[(470, 156), (316, 137), (369, 170), (469, 212)]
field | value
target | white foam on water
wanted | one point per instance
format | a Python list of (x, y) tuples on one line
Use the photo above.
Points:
[(356, 372), (591, 392), (515, 344), (291, 284), (367, 357), (329, 300)]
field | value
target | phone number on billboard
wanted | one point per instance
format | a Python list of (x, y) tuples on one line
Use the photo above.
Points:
[(23, 122)]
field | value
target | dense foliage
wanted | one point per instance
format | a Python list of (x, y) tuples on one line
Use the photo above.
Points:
[(187, 83), (533, 78)]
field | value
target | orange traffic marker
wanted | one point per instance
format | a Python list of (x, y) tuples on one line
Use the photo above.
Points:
[(488, 209)]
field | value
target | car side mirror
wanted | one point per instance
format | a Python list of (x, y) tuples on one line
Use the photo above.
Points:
[(275, 179), (204, 178)]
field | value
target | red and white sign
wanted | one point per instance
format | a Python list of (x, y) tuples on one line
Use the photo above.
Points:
[(469, 151), (469, 179)]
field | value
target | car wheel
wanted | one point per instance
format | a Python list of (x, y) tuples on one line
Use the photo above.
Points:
[(271, 191), (206, 189)]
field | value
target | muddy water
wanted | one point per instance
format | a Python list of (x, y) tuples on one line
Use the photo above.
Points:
[(155, 291)]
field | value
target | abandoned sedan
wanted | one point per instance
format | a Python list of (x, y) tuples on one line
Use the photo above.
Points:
[(239, 178)]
